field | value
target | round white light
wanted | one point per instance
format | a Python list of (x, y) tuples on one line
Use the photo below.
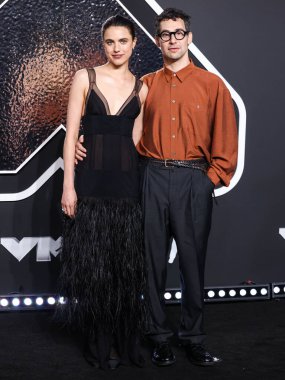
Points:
[(178, 295), (232, 293), (4, 302), (39, 301), (28, 301), (62, 300), (167, 296), (222, 293), (211, 294), (242, 292), (276, 289), (51, 300), (253, 292), (263, 291), (15, 302)]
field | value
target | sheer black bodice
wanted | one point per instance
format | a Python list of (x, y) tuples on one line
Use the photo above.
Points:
[(111, 166)]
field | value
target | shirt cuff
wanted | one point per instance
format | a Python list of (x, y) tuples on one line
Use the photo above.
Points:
[(213, 176)]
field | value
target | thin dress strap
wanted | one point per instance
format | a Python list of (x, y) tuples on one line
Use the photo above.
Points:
[(137, 89), (138, 86), (92, 81)]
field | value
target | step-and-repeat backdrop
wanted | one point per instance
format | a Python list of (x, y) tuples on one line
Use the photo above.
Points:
[(43, 43)]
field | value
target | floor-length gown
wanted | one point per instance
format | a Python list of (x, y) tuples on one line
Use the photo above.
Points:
[(103, 268)]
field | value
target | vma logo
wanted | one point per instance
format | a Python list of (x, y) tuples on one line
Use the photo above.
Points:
[(46, 246)]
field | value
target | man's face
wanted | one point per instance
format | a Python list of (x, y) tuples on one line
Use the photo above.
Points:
[(173, 50)]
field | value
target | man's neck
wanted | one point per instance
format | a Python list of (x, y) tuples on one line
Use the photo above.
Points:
[(176, 65)]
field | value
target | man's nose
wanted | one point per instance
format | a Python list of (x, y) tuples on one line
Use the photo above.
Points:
[(172, 38)]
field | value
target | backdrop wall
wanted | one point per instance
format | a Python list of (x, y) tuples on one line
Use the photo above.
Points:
[(42, 44)]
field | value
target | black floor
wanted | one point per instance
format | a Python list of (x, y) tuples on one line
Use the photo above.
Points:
[(250, 337)]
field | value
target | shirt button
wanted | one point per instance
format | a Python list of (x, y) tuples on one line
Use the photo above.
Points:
[(173, 100), (173, 85), (173, 136), (174, 74), (173, 118)]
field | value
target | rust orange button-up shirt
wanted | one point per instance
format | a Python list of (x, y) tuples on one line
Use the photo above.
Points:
[(189, 115)]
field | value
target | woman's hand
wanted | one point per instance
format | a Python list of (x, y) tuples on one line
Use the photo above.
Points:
[(69, 202)]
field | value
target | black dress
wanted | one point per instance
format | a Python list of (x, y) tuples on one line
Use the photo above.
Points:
[(103, 267)]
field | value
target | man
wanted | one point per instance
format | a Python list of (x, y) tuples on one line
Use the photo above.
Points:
[(188, 146)]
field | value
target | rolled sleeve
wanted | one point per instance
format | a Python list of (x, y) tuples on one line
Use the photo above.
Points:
[(224, 138)]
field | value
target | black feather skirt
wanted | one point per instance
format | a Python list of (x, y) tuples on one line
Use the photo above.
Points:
[(103, 275)]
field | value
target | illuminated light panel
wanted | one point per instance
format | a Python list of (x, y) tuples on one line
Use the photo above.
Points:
[(278, 290), (16, 302), (39, 301), (167, 296), (178, 295), (28, 301), (4, 302), (51, 300)]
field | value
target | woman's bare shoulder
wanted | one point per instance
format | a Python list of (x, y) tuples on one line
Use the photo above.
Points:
[(80, 78)]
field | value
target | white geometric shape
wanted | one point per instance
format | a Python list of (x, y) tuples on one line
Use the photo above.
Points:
[(47, 246), (19, 249), (282, 232), (3, 3), (12, 197), (173, 252), (61, 127)]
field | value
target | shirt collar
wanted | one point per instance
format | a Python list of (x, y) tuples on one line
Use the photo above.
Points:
[(181, 74)]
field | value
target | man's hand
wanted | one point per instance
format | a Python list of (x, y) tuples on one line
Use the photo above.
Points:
[(80, 151)]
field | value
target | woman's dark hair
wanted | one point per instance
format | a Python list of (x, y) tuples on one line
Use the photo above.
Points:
[(172, 14), (118, 20)]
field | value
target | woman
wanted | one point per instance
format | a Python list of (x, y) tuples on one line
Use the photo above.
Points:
[(103, 270)]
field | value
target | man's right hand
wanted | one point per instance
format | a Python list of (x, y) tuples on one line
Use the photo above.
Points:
[(80, 151)]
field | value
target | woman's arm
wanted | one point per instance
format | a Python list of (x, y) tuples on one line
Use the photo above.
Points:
[(138, 126), (74, 112)]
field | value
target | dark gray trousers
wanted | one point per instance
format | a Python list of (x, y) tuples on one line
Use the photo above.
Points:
[(177, 203)]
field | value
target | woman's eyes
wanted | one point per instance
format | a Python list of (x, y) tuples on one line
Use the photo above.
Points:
[(123, 42)]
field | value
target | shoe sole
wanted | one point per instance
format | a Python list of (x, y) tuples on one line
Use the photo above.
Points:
[(201, 364), (163, 364)]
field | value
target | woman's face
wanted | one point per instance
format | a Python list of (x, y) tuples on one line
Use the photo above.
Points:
[(118, 44)]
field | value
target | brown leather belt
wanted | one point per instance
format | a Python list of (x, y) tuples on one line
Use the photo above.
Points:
[(200, 164)]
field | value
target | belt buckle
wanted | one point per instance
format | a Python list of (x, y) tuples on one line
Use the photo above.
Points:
[(165, 163)]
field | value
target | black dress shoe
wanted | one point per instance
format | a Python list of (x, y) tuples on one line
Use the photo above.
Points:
[(197, 355), (162, 355)]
